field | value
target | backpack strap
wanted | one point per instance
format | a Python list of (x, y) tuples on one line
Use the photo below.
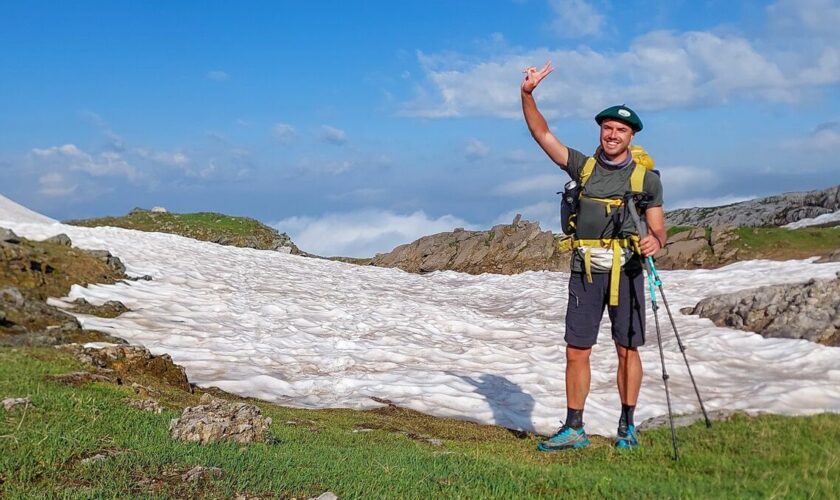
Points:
[(586, 173), (637, 179)]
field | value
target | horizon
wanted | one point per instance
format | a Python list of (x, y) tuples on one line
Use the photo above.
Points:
[(358, 127)]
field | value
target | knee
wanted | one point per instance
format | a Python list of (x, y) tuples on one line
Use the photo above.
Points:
[(576, 354), (627, 353)]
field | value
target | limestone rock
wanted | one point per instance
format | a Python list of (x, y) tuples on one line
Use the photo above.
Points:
[(109, 309), (60, 239), (11, 404), (105, 256), (8, 236), (159, 210), (217, 420), (132, 362), (327, 495), (808, 311), (504, 249), (149, 405)]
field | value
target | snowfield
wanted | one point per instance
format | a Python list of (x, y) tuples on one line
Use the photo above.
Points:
[(315, 333)]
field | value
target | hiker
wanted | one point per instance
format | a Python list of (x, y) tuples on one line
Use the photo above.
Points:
[(606, 269)]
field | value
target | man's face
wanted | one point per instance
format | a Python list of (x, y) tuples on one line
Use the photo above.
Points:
[(615, 137)]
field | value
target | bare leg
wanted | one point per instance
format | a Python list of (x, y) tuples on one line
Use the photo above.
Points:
[(629, 375), (578, 376)]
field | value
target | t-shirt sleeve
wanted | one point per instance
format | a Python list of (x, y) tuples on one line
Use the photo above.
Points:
[(576, 163), (653, 186)]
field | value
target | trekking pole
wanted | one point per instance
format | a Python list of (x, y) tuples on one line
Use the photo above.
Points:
[(652, 268)]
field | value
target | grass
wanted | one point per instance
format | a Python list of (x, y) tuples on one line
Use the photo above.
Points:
[(771, 242), (41, 451)]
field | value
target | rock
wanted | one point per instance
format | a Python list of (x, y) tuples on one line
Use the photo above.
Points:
[(504, 249), (138, 210), (832, 257), (96, 458), (11, 404), (809, 311), (11, 296), (159, 210), (114, 263), (199, 473), (327, 495), (685, 420), (8, 236), (771, 211), (131, 362), (60, 239), (217, 420), (149, 405), (109, 309)]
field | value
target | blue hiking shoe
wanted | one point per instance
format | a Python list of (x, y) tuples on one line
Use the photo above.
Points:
[(627, 438), (565, 438)]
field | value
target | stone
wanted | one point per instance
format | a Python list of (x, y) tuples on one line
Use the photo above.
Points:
[(8, 236), (149, 405), (217, 420), (200, 472), (105, 256), (11, 404), (159, 210), (12, 297), (60, 239), (134, 362), (99, 457), (809, 311), (327, 495)]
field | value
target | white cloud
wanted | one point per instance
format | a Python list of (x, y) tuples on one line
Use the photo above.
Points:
[(54, 185), (575, 18), (519, 156), (805, 17), (659, 70), (475, 149), (284, 133), (538, 184), (217, 75), (681, 180), (173, 159), (333, 135), (824, 139), (329, 167), (107, 163), (362, 233)]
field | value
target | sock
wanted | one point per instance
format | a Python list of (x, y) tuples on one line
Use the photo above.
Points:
[(626, 415), (574, 418)]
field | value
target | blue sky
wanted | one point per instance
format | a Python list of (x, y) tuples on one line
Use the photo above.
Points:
[(357, 126)]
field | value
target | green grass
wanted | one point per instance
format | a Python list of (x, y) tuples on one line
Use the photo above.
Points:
[(774, 239), (678, 229), (41, 451)]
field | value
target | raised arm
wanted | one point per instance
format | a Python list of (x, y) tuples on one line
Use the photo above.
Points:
[(535, 120)]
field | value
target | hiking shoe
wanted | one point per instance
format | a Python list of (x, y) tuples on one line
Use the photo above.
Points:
[(565, 439), (627, 437)]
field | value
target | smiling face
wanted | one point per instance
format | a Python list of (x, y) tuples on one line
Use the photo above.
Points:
[(615, 139)]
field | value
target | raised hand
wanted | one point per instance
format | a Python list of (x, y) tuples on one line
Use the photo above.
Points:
[(534, 76)]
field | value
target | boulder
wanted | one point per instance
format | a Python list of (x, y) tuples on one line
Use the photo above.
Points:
[(132, 362), (60, 239), (8, 236), (809, 311), (159, 210), (113, 262), (217, 420)]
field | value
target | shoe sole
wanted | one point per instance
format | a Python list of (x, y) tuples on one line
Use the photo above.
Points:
[(574, 446)]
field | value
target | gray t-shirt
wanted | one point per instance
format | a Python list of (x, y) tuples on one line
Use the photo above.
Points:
[(608, 182)]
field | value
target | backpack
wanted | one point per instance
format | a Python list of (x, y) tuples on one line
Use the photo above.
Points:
[(607, 253)]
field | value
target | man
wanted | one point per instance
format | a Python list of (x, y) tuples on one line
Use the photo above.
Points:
[(600, 216)]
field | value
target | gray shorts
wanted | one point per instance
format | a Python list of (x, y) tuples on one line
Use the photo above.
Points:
[(586, 308)]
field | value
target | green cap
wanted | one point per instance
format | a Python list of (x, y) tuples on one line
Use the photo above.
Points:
[(623, 114)]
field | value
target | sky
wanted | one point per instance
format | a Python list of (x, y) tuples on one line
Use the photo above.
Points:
[(358, 126)]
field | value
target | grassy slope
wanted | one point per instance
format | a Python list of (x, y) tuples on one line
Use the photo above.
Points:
[(779, 244), (205, 226), (42, 449)]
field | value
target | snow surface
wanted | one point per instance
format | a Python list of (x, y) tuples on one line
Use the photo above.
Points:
[(13, 211), (315, 333), (813, 221)]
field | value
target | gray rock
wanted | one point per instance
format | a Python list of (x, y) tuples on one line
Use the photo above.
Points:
[(217, 420), (11, 404), (685, 420), (327, 495), (99, 457), (771, 211), (808, 311), (12, 296), (61, 239), (8, 236), (200, 472), (159, 210), (105, 256), (149, 405)]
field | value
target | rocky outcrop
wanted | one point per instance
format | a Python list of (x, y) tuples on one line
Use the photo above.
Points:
[(217, 420), (504, 249), (808, 311), (109, 309), (771, 211), (133, 363), (32, 271), (699, 248)]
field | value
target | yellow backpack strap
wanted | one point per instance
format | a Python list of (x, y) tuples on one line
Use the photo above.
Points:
[(637, 179), (588, 168)]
